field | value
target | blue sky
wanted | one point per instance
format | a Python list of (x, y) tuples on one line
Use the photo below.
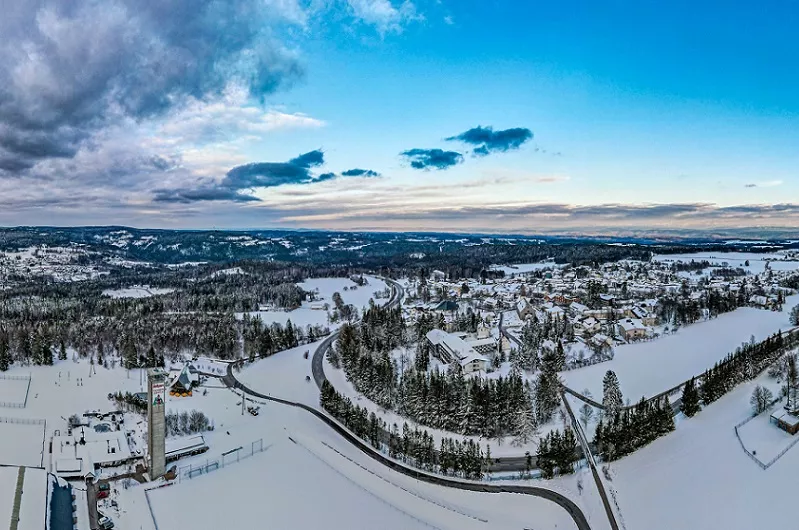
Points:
[(642, 115)]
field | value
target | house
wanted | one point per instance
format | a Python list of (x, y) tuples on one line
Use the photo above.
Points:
[(587, 326), (446, 306), (523, 308), (451, 348), (786, 421), (577, 309), (632, 328)]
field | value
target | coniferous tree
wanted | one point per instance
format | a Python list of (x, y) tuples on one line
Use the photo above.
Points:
[(612, 398), (690, 399)]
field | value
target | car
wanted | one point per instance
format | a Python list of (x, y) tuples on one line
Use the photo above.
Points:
[(105, 523), (102, 494), (104, 486)]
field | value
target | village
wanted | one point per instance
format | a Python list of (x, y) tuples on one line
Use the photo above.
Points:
[(596, 308)]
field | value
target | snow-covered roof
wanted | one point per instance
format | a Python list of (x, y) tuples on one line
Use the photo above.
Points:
[(786, 418)]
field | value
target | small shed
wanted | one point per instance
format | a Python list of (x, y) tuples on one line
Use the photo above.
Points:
[(786, 421)]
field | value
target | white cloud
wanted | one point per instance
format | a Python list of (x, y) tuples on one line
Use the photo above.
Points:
[(384, 15)]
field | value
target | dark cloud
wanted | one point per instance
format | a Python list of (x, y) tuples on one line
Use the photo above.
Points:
[(209, 193), (489, 141), (432, 158), (360, 173), (69, 69), (256, 175), (325, 176), (270, 174)]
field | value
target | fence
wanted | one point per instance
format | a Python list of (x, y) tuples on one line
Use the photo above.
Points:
[(22, 421), (756, 460), (227, 458), (16, 404)]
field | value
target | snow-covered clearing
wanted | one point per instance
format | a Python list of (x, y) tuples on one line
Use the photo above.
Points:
[(523, 268), (13, 391), (137, 291), (21, 444), (283, 375), (647, 368), (699, 477), (762, 438), (312, 313), (757, 261)]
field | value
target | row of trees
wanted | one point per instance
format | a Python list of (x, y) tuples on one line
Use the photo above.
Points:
[(620, 434), (413, 446)]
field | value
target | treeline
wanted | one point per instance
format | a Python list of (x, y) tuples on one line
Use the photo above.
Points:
[(744, 364), (146, 341), (633, 428), (411, 446)]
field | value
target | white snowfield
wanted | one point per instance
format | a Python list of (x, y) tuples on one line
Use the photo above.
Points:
[(647, 368), (308, 477), (757, 261), (699, 477), (308, 316)]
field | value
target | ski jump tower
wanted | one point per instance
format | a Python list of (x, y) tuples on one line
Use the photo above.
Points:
[(156, 426)]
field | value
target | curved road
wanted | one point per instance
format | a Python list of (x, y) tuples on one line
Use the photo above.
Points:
[(397, 293), (564, 502)]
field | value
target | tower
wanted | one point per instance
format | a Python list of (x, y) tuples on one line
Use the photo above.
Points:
[(156, 427)]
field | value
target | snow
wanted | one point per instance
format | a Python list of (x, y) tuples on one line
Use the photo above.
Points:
[(21, 444), (306, 465), (8, 486), (136, 291), (33, 508), (699, 477), (762, 438), (283, 375), (13, 392), (522, 268), (55, 394), (647, 368), (306, 316), (757, 261)]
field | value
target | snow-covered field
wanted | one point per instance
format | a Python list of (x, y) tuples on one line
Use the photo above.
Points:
[(699, 477), (283, 375), (762, 438), (13, 392), (136, 291), (522, 268), (8, 483), (306, 316), (21, 444), (647, 368), (308, 477), (757, 261)]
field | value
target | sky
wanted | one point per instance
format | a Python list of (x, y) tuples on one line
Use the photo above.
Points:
[(422, 115)]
